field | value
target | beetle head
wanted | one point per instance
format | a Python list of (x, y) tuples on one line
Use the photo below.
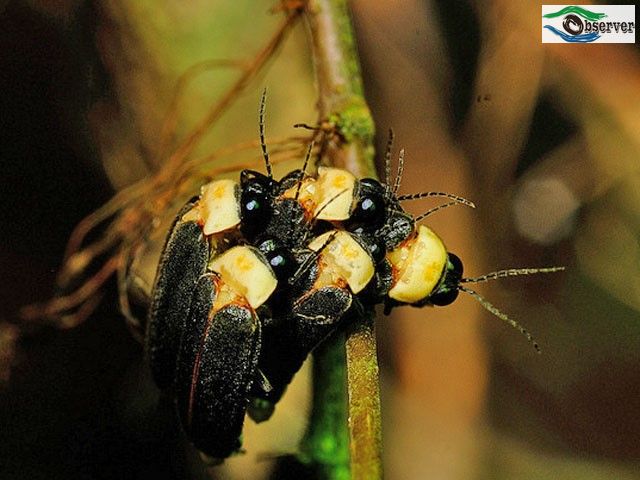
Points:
[(255, 201), (447, 291)]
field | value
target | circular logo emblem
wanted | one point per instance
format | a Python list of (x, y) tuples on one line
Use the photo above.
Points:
[(573, 24)]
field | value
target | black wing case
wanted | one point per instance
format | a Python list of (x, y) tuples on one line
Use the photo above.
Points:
[(217, 364), (184, 259), (287, 344)]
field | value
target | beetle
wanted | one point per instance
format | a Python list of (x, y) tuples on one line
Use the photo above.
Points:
[(226, 253), (204, 332), (224, 349), (255, 275), (345, 280), (410, 265), (334, 268), (217, 358), (223, 214), (413, 266), (203, 335)]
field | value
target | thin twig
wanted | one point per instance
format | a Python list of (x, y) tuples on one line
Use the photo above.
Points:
[(341, 102), (221, 106)]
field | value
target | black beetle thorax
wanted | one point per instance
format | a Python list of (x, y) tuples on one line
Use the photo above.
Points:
[(288, 223)]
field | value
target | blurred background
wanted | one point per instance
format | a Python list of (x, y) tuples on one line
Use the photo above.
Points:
[(545, 139)]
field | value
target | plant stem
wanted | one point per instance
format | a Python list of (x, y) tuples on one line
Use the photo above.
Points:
[(341, 102), (326, 443), (341, 99)]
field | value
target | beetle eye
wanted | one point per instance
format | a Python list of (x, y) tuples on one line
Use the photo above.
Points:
[(283, 264), (369, 208), (444, 298), (255, 210), (369, 212), (279, 258), (254, 205)]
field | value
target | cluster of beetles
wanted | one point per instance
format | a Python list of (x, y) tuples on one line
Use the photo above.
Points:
[(255, 274)]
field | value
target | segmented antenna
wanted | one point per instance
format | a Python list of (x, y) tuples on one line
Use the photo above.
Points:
[(396, 184), (434, 210), (304, 169), (417, 196), (456, 201), (263, 144), (387, 159), (511, 272), (485, 303), (306, 126)]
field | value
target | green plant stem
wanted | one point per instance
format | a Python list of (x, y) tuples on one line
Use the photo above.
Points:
[(326, 443), (342, 104)]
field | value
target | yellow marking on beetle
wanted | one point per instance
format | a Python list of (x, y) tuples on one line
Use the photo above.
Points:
[(329, 196), (193, 215), (343, 260), (419, 264), (340, 182), (307, 190), (219, 206), (334, 193), (243, 263), (350, 253), (306, 195), (225, 295), (243, 269), (219, 191)]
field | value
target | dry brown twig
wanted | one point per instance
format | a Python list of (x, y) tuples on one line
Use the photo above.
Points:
[(131, 216)]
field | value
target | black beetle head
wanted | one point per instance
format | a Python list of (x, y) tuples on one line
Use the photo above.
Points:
[(447, 291), (280, 258), (370, 211), (255, 201)]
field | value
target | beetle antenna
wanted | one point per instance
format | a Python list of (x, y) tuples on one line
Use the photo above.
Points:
[(417, 196), (485, 303), (511, 272), (304, 169), (306, 265), (326, 204), (396, 184), (435, 209), (387, 160), (263, 144), (306, 126)]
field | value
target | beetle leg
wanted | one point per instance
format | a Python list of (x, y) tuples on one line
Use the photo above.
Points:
[(184, 259), (216, 367)]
